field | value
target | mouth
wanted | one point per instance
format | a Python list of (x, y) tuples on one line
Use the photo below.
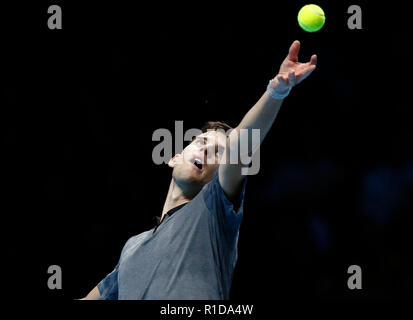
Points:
[(197, 163)]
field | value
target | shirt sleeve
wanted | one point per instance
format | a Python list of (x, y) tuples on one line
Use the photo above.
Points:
[(108, 287), (229, 217)]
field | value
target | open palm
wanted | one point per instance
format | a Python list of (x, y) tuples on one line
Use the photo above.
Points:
[(293, 72)]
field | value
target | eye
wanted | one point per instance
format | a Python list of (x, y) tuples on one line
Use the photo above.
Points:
[(219, 150)]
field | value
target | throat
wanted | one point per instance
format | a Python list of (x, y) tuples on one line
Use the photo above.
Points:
[(174, 198)]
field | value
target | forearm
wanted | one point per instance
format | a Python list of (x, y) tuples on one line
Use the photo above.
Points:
[(262, 115)]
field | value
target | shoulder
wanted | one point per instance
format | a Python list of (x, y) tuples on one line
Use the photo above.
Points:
[(214, 193), (133, 241)]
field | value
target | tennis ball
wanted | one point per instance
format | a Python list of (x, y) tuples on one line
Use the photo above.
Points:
[(311, 18)]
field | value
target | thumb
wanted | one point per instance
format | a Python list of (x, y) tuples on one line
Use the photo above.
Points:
[(293, 51)]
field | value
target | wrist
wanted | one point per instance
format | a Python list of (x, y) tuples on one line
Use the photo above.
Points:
[(276, 94)]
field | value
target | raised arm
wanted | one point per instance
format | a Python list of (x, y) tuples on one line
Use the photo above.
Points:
[(262, 115)]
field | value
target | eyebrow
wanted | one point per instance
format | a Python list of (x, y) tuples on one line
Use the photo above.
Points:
[(218, 146), (205, 137)]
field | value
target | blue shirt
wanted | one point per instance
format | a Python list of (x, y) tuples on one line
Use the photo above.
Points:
[(190, 255)]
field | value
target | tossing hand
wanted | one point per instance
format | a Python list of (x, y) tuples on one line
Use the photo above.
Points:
[(291, 71)]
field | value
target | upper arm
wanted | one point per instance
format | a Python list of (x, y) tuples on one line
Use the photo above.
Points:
[(230, 179), (230, 175), (228, 212), (108, 287)]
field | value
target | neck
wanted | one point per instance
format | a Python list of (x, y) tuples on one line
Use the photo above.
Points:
[(174, 198)]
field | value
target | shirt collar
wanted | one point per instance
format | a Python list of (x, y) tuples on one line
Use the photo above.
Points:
[(169, 213)]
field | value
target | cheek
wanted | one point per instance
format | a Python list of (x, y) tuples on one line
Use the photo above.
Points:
[(188, 151)]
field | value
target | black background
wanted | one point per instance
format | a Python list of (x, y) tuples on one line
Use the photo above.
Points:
[(80, 106)]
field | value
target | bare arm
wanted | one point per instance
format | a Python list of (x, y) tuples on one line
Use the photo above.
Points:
[(93, 295), (262, 115)]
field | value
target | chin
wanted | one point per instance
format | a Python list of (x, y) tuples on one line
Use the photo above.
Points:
[(188, 177)]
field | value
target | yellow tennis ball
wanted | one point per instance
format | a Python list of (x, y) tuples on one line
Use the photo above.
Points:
[(311, 18)]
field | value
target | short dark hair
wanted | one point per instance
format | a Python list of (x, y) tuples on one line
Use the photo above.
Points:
[(214, 125)]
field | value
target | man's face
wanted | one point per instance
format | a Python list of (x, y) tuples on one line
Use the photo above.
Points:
[(197, 163)]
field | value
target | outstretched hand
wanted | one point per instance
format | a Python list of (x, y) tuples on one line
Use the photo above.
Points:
[(291, 71)]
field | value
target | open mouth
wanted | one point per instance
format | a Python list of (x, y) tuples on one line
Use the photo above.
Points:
[(198, 163)]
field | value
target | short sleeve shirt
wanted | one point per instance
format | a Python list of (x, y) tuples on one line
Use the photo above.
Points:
[(190, 255)]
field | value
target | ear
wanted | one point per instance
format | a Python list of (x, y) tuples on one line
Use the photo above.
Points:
[(176, 158)]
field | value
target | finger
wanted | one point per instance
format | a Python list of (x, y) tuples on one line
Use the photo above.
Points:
[(282, 80), (304, 68), (305, 74), (293, 51), (313, 60), (309, 68)]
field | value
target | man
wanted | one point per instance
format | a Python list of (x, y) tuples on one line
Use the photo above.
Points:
[(192, 253)]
